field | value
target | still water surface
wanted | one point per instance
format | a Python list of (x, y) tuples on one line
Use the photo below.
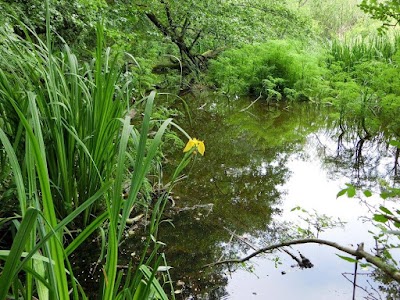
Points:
[(261, 161)]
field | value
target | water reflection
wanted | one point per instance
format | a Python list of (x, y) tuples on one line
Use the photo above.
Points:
[(241, 176), (246, 183), (363, 160)]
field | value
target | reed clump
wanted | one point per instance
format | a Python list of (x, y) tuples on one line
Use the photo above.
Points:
[(67, 150)]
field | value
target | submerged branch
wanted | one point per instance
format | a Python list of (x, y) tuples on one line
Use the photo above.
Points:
[(251, 104), (359, 253)]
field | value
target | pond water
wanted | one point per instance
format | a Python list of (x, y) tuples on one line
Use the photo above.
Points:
[(260, 162)]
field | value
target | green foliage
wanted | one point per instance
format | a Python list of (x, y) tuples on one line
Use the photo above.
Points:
[(66, 136), (275, 69), (350, 190), (363, 84), (359, 50), (240, 21), (385, 11), (335, 18), (79, 107), (347, 258)]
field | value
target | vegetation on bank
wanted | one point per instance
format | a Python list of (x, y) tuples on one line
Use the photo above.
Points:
[(72, 139), (68, 152)]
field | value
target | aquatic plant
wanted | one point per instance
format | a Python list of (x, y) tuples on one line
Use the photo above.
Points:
[(358, 50), (195, 143)]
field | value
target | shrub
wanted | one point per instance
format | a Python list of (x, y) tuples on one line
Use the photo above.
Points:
[(274, 69)]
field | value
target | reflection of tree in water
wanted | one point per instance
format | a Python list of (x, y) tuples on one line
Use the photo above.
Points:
[(362, 159), (241, 175)]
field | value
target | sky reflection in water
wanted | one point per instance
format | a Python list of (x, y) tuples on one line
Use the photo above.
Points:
[(310, 188), (259, 164)]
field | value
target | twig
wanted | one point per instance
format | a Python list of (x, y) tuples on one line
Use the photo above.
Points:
[(360, 287), (355, 279), (241, 239), (251, 104)]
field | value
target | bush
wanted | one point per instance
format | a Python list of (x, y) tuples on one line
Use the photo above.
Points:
[(275, 69)]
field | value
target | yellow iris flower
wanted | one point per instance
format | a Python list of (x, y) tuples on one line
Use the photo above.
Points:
[(195, 143)]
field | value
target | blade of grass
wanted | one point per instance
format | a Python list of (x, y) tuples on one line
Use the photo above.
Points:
[(14, 257), (16, 170)]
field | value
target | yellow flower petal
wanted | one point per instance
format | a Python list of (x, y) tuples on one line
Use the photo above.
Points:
[(190, 144), (201, 147), (195, 143)]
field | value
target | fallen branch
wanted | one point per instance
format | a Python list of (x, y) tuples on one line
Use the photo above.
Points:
[(359, 253), (251, 104)]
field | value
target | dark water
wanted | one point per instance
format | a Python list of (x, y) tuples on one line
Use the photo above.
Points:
[(260, 162)]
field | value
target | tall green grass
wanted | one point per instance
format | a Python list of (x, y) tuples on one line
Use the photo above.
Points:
[(356, 51), (66, 136)]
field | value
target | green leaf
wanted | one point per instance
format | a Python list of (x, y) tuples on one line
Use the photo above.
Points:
[(351, 191), (394, 143), (13, 259), (341, 193), (385, 210), (155, 285), (380, 218), (384, 195), (367, 193), (347, 258), (19, 182)]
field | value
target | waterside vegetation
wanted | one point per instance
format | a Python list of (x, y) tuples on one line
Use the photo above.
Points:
[(83, 143)]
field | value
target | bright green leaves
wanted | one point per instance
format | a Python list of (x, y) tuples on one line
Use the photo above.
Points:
[(274, 69), (395, 143), (385, 11), (380, 218), (367, 193), (385, 210), (350, 191), (354, 260), (386, 216)]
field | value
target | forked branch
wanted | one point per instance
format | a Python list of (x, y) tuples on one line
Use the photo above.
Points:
[(358, 253)]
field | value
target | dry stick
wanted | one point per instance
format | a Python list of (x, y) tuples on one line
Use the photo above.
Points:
[(229, 243), (240, 239), (251, 104), (294, 257), (359, 253), (375, 290), (355, 279)]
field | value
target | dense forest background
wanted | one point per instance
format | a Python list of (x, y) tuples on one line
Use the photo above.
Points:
[(161, 35)]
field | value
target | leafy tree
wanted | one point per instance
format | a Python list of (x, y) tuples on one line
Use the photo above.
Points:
[(388, 12), (194, 28)]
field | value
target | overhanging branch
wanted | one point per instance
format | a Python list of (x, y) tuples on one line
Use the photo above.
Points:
[(358, 253)]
